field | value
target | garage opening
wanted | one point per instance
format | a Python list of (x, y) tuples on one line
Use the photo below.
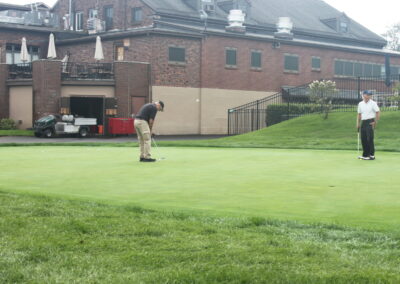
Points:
[(88, 107)]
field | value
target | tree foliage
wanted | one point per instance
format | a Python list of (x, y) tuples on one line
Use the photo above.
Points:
[(393, 37), (322, 93), (396, 95)]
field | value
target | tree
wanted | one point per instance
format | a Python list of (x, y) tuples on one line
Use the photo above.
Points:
[(322, 93), (393, 37), (396, 95)]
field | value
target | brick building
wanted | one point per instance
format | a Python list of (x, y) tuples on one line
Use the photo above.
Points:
[(201, 57)]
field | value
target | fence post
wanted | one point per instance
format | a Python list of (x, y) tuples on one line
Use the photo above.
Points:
[(358, 87), (258, 113), (288, 105), (229, 122)]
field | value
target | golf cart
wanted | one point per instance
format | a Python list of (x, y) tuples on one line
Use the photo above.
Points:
[(51, 125)]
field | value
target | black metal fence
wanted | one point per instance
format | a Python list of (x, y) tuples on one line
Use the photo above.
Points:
[(79, 71), (295, 102), (20, 71)]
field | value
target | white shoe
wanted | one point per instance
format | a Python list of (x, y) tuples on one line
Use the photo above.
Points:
[(366, 158)]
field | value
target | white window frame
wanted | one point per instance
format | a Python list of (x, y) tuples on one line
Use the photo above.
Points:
[(79, 21)]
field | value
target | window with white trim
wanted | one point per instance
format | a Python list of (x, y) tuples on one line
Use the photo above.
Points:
[(13, 53), (230, 57), (176, 54), (256, 56), (291, 63), (349, 68), (315, 63), (79, 21)]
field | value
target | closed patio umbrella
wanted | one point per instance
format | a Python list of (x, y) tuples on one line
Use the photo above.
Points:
[(98, 54), (51, 53), (64, 63), (24, 51)]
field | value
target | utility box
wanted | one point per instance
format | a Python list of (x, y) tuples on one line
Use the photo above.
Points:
[(120, 126)]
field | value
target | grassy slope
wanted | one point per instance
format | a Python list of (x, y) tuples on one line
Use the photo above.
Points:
[(311, 186), (46, 240), (311, 132), (308, 132), (16, 133)]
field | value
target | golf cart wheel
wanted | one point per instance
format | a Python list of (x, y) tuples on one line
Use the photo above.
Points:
[(83, 132), (48, 133)]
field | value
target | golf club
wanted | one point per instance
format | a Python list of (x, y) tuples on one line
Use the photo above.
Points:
[(158, 151)]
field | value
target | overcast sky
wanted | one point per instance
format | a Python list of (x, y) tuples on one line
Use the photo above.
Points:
[(375, 15)]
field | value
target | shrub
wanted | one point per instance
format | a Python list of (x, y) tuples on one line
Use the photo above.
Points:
[(7, 124), (322, 93), (280, 112)]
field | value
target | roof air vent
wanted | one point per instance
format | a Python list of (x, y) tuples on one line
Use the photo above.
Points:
[(236, 20), (284, 27)]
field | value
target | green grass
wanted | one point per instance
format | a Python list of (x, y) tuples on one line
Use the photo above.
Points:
[(310, 132), (310, 186), (16, 133), (49, 240), (338, 132), (218, 214)]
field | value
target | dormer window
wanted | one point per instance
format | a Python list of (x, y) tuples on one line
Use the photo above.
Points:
[(343, 27), (339, 24)]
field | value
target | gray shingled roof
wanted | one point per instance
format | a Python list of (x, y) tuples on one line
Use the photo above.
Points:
[(306, 15)]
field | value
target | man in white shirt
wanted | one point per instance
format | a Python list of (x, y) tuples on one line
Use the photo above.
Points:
[(367, 119)]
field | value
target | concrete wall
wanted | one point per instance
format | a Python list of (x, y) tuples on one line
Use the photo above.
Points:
[(182, 110), (198, 111), (21, 108), (96, 91), (215, 105)]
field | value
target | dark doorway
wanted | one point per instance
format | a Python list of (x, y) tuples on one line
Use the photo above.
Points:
[(88, 107)]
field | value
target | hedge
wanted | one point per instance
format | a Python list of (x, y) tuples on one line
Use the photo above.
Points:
[(7, 124), (279, 112)]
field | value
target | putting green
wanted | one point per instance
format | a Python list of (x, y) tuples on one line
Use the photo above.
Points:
[(305, 185)]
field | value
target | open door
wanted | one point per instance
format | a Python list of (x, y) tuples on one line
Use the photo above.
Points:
[(110, 106), (65, 105)]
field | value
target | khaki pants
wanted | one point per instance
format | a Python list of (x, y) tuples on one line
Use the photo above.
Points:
[(144, 137)]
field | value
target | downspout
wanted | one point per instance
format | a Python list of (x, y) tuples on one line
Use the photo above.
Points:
[(200, 98), (125, 14), (70, 15)]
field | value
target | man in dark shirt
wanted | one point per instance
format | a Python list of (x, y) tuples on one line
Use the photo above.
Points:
[(144, 121)]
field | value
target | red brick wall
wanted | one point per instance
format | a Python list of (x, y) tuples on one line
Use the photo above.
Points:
[(154, 49), (131, 80), (84, 52), (272, 75), (32, 38), (151, 49), (4, 95), (46, 83), (166, 74)]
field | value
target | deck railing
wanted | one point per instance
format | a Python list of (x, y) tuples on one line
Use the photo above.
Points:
[(20, 71), (87, 71)]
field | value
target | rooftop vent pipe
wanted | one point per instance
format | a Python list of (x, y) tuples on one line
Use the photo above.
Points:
[(284, 27), (236, 19)]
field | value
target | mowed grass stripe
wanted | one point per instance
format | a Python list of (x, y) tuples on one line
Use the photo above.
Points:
[(50, 240), (310, 186)]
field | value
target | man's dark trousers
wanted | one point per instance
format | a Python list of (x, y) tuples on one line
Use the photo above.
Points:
[(367, 138)]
